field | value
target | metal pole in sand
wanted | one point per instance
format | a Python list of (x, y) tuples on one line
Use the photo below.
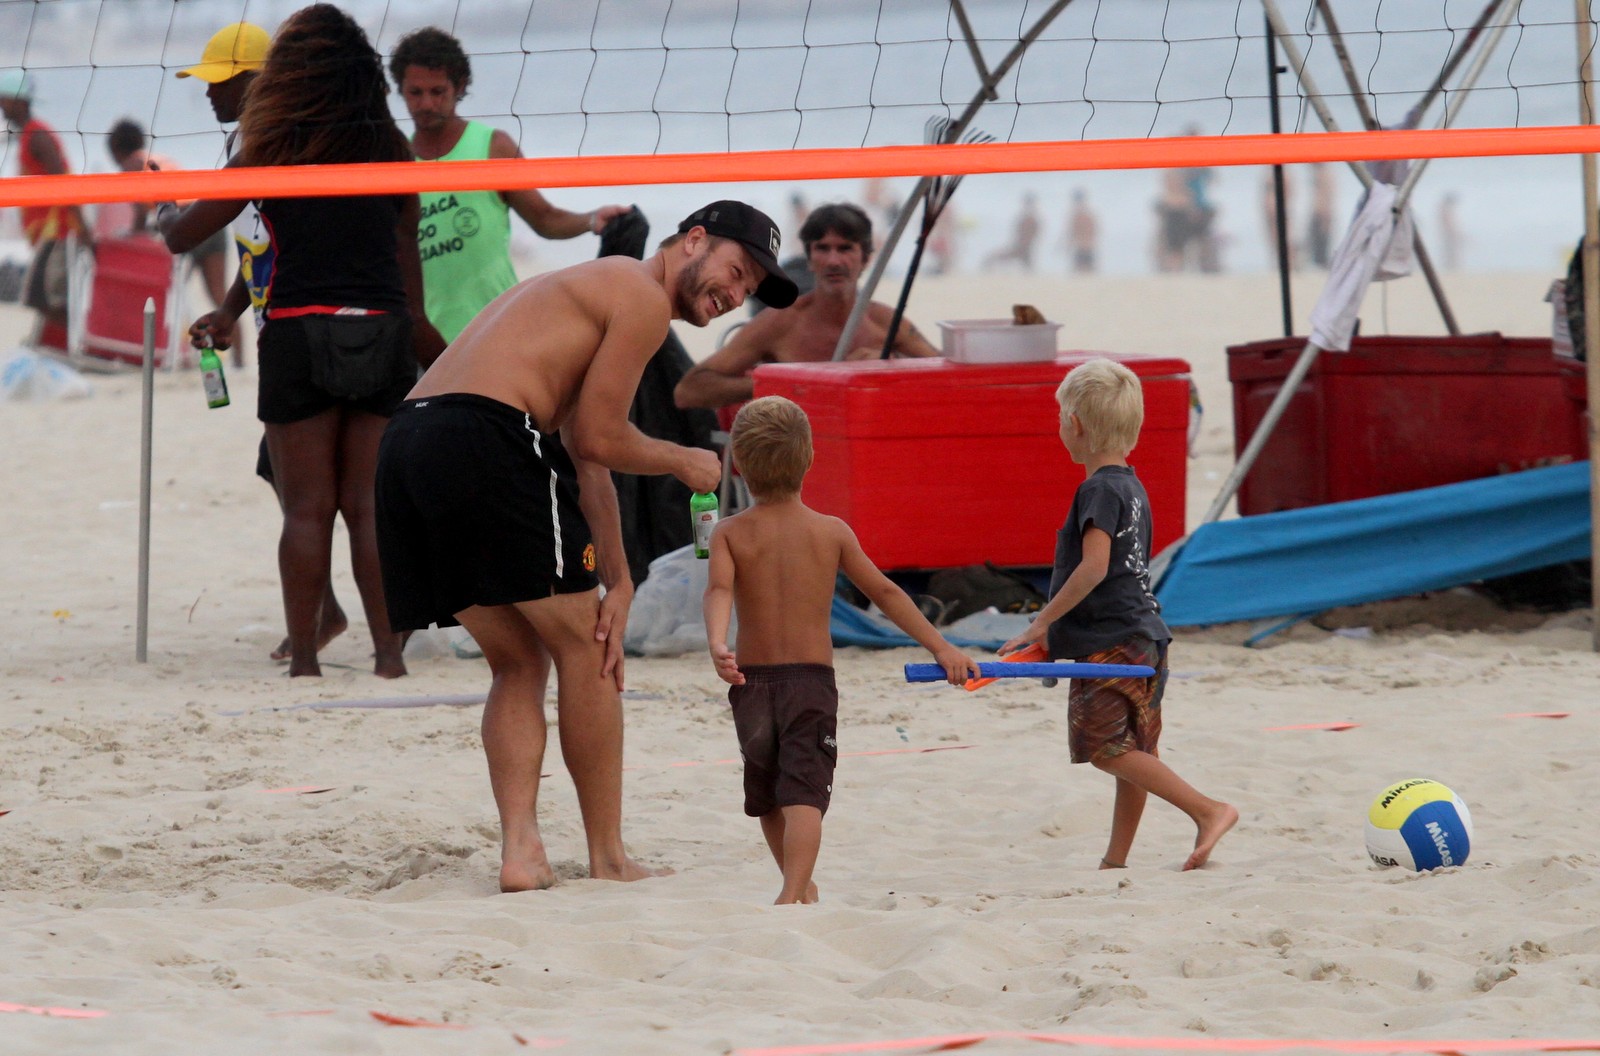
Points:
[(142, 624), (1591, 297)]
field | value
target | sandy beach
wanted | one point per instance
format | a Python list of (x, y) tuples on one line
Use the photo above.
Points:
[(198, 855)]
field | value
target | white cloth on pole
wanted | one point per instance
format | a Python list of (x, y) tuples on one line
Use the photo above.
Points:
[(1377, 246)]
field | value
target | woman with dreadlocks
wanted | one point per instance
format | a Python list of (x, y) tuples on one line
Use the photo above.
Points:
[(345, 323)]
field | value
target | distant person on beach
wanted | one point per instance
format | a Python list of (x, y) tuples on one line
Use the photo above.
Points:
[(486, 520), (777, 562), (228, 66), (46, 227), (1319, 225), (1269, 217), (1450, 237), (465, 236), (1081, 238), (838, 244), (129, 148), (346, 327), (1101, 611), (1024, 236)]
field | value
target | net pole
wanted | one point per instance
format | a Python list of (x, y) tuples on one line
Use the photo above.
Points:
[(1280, 207), (1591, 303), (141, 646), (953, 134)]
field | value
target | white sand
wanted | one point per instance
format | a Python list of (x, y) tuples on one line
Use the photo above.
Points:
[(147, 872)]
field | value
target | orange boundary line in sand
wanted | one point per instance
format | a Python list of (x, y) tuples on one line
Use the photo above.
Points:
[(955, 1041), (795, 165), (56, 1013)]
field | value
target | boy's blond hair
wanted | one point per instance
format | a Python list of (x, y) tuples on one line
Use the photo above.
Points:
[(771, 440), (1109, 403)]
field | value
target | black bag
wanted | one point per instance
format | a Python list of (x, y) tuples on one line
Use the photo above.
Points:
[(356, 356), (974, 588)]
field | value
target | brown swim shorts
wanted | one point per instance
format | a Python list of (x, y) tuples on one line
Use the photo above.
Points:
[(787, 719), (1109, 716)]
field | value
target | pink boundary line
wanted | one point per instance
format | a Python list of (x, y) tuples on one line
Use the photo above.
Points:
[(57, 1013), (954, 1041), (1331, 727)]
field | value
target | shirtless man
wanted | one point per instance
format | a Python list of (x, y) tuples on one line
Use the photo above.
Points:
[(838, 244), (484, 520)]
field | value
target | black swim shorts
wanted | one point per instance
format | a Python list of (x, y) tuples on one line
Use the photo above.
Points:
[(475, 506), (787, 719), (288, 389)]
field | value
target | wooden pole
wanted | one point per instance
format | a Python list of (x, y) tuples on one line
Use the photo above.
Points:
[(1591, 301)]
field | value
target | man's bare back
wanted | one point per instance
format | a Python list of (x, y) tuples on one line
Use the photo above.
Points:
[(532, 347)]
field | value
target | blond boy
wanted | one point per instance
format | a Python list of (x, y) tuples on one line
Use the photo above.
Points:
[(778, 561), (1101, 611)]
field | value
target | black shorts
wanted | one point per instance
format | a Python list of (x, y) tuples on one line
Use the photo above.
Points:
[(287, 390), (787, 719), (475, 506)]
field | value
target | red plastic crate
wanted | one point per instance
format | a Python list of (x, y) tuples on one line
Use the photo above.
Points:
[(938, 464), (1400, 413), (127, 271)]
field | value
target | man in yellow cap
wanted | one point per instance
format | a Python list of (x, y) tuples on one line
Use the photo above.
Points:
[(228, 64)]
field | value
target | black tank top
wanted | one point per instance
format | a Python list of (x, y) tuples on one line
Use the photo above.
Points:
[(335, 252)]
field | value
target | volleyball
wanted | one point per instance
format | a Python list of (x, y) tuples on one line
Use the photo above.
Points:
[(1419, 824)]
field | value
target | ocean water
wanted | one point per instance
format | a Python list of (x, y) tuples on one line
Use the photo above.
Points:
[(643, 76)]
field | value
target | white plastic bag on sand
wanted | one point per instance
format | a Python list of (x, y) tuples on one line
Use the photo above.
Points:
[(667, 617), (25, 375)]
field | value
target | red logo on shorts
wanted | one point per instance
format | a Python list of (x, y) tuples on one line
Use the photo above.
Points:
[(588, 558)]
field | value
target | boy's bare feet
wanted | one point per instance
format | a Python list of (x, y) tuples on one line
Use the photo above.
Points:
[(389, 665), (1211, 830)]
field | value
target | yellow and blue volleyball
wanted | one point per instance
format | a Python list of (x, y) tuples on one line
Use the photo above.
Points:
[(1418, 824)]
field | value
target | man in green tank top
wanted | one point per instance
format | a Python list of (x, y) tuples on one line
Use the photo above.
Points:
[(465, 236)]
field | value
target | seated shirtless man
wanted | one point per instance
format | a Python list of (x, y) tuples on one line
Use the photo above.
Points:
[(838, 244)]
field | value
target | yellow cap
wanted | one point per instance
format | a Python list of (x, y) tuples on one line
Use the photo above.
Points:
[(231, 51)]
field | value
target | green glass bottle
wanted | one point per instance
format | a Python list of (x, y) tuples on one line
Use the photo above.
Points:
[(211, 376), (703, 512)]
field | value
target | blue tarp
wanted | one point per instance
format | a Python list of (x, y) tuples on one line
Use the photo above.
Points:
[(1390, 546), (853, 626)]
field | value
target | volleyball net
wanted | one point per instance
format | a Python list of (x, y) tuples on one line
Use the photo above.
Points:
[(625, 92)]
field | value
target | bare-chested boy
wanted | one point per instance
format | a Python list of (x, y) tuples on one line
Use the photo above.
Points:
[(485, 520), (777, 561)]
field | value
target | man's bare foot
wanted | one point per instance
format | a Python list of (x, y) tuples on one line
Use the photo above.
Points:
[(1104, 864), (309, 669), (327, 630), (1211, 830), (526, 875), (627, 871)]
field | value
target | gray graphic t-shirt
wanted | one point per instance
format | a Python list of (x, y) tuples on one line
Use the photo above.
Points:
[(1121, 606)]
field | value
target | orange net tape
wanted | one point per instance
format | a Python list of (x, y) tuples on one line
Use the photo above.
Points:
[(796, 165)]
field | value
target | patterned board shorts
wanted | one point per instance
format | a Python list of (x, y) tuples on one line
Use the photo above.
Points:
[(1109, 716)]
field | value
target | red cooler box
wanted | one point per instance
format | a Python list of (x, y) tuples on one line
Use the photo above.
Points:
[(938, 464), (127, 272), (1401, 413)]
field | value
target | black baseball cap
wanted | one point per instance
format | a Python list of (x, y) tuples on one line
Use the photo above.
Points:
[(755, 231)]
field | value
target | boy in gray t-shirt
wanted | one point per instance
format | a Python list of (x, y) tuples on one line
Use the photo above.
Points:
[(1101, 611)]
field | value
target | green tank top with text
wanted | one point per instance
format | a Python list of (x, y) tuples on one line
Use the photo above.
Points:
[(465, 241)]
